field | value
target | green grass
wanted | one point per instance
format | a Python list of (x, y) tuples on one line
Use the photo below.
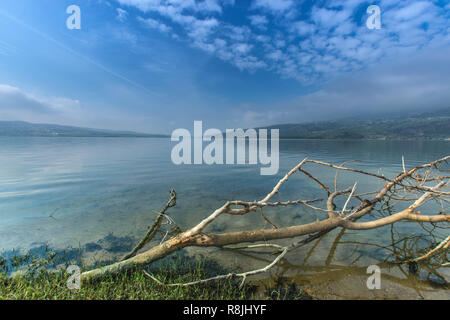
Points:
[(37, 279), (135, 285), (45, 284), (35, 275)]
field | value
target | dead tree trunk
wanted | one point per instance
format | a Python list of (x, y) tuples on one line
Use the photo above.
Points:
[(417, 186)]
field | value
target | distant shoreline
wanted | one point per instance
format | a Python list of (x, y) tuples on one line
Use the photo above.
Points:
[(75, 136), (283, 138)]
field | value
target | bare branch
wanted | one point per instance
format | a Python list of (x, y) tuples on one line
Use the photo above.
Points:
[(408, 185)]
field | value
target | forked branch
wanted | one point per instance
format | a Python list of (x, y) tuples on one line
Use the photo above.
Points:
[(409, 185)]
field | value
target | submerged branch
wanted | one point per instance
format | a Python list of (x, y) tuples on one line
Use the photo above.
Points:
[(154, 228)]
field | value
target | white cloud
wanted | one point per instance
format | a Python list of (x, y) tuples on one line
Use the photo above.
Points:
[(242, 48), (303, 28), (228, 2), (275, 55), (326, 42), (199, 30), (154, 24), (18, 104), (122, 15), (262, 38), (181, 13), (209, 6), (413, 84), (174, 7), (258, 21), (326, 19), (275, 6), (412, 10)]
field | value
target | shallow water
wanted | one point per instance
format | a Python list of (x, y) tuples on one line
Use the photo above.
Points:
[(69, 192)]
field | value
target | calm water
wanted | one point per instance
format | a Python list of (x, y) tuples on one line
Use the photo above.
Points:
[(71, 191)]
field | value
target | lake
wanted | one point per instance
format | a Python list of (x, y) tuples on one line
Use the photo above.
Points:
[(73, 192)]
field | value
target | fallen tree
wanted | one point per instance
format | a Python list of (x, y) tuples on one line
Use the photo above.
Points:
[(416, 187)]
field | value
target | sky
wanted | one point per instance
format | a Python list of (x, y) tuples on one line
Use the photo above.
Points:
[(157, 65)]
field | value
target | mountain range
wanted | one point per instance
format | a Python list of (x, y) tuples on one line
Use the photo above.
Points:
[(427, 125), (21, 128)]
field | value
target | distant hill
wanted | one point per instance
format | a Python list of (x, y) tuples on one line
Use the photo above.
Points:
[(21, 128), (431, 125)]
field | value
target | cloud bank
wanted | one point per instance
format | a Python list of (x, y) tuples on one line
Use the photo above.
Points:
[(307, 43), (417, 84), (18, 104)]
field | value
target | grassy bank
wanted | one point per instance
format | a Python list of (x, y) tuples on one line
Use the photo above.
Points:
[(41, 283), (132, 285)]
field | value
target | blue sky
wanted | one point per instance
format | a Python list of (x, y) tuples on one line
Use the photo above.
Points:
[(154, 65)]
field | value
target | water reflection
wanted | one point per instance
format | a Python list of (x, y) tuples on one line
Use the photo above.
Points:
[(345, 277)]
